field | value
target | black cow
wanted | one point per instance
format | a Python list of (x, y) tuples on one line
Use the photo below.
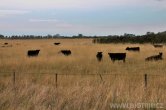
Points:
[(117, 56), (66, 52), (99, 56), (133, 49), (155, 57), (57, 43), (32, 53), (158, 45), (5, 43)]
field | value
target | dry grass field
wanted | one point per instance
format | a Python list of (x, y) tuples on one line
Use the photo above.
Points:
[(78, 89)]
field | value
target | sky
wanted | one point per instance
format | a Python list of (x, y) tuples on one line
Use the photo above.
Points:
[(87, 17)]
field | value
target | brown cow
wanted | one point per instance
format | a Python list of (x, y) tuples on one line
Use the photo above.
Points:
[(155, 57)]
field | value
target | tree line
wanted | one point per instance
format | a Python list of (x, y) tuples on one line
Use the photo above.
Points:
[(30, 36), (149, 37), (42, 36)]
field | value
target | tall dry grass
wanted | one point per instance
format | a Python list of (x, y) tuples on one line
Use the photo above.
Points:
[(35, 77)]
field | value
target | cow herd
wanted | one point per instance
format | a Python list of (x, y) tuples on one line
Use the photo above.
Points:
[(122, 56), (99, 55), (113, 56), (34, 53)]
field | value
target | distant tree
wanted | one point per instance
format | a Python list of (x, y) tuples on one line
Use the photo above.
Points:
[(80, 35), (149, 37), (129, 35), (49, 36), (1, 36), (150, 33), (56, 36)]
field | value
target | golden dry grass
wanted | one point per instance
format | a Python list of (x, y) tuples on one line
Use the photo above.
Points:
[(35, 77)]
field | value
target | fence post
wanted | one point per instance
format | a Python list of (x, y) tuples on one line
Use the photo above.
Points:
[(56, 80), (14, 78), (14, 90), (145, 80)]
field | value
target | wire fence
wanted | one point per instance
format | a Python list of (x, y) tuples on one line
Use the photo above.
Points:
[(145, 77)]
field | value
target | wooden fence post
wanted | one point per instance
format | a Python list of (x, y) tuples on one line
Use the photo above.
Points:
[(145, 80), (14, 89), (14, 78), (56, 80)]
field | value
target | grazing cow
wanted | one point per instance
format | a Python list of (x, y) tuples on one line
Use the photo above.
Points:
[(155, 57), (6, 46), (66, 52), (32, 53), (158, 45), (99, 56), (133, 49), (57, 43), (5, 43), (117, 56)]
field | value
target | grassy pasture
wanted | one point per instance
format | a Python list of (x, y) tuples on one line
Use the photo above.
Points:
[(35, 77)]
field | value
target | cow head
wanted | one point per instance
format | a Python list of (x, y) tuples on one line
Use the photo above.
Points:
[(160, 53), (127, 48)]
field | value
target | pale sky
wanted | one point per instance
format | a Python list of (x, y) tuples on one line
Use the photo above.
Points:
[(88, 17)]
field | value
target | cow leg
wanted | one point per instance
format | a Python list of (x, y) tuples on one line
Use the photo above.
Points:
[(123, 60), (100, 59)]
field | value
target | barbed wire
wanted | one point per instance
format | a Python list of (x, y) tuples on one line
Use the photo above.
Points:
[(77, 74)]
